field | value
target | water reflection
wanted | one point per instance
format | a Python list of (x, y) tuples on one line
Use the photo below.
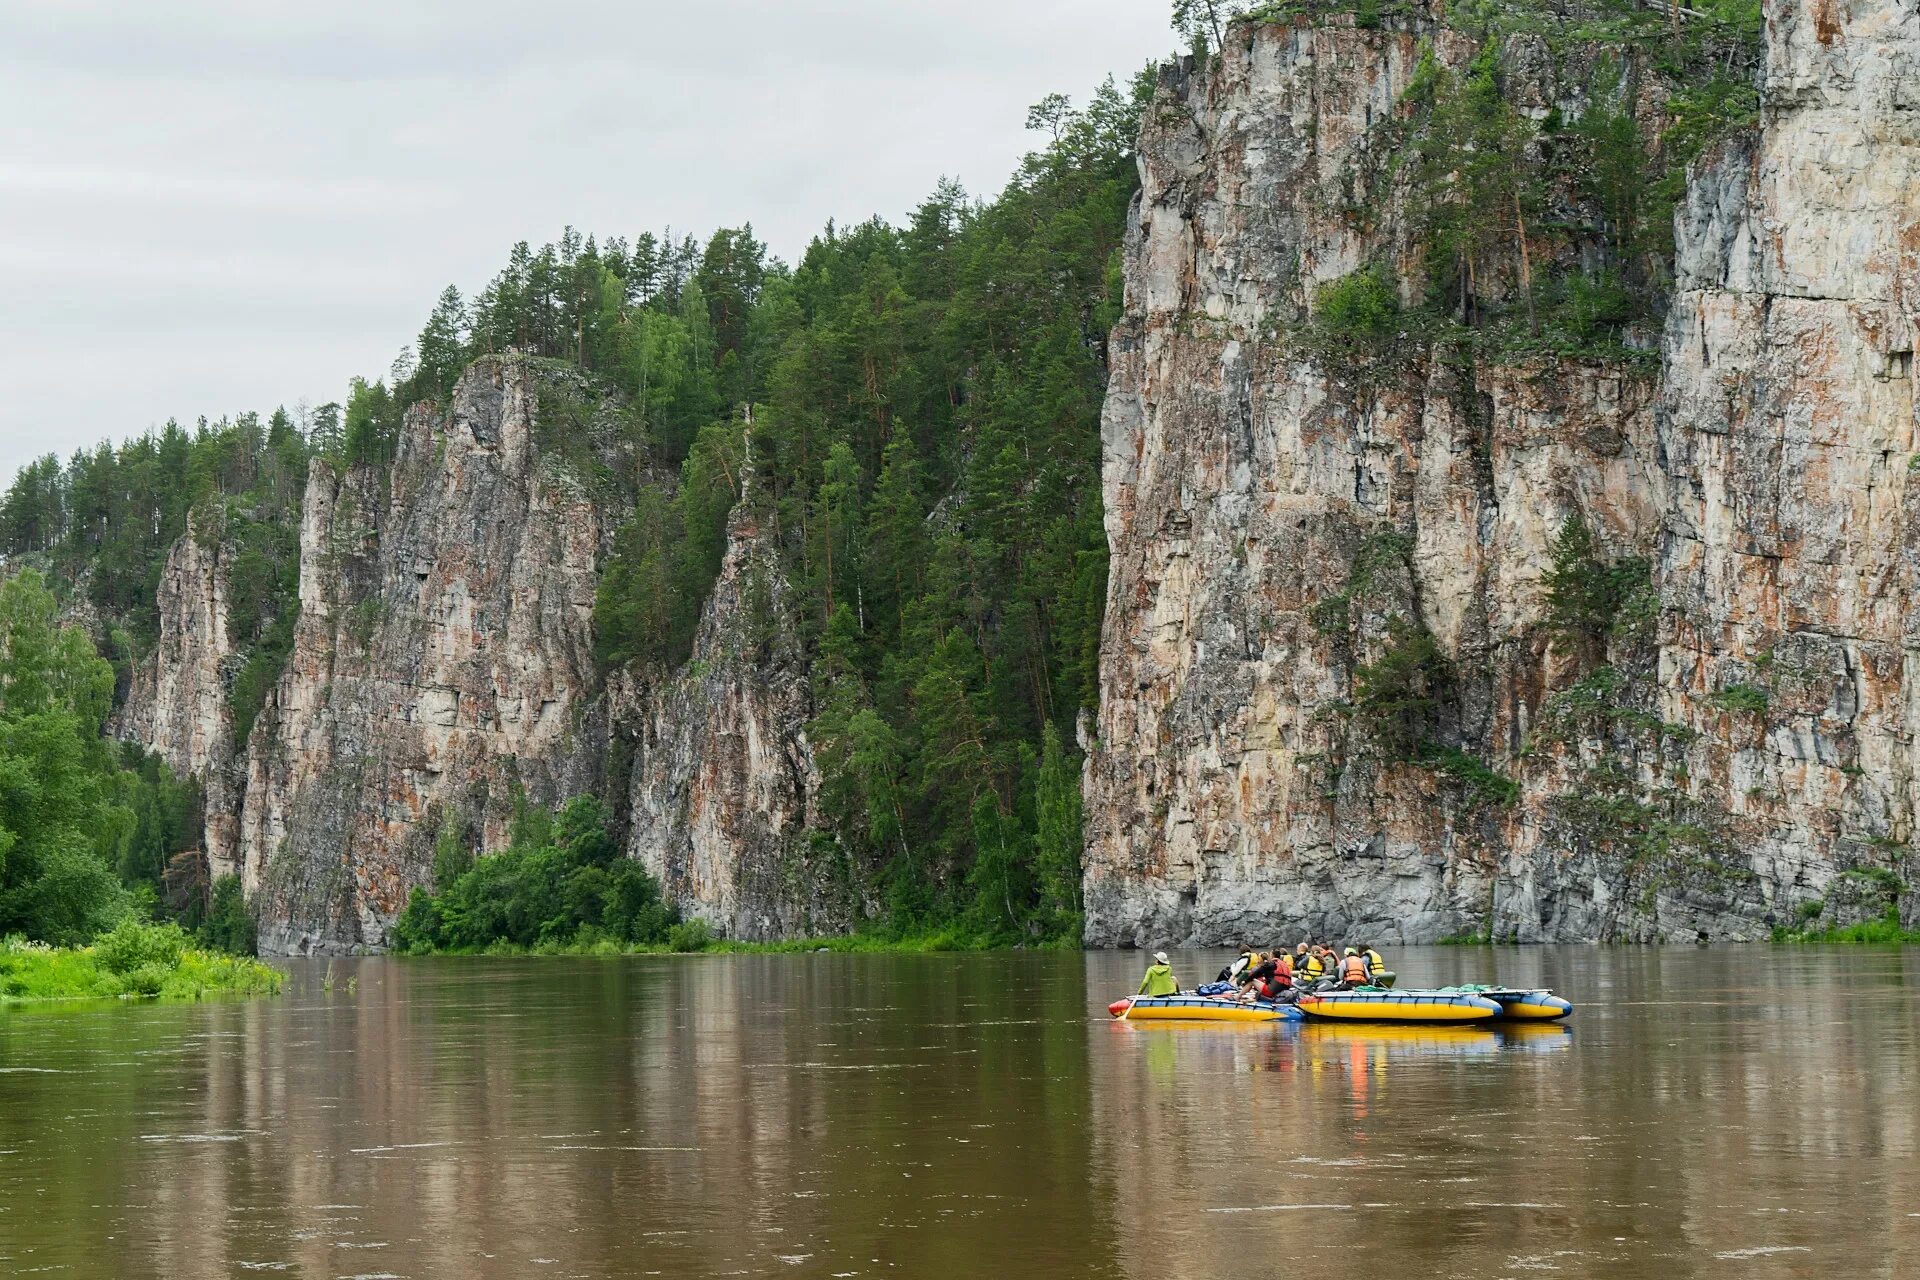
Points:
[(1707, 1113)]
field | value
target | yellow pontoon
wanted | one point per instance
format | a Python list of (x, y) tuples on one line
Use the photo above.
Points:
[(1379, 1005), (1185, 1008)]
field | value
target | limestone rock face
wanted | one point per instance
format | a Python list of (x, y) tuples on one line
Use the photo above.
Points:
[(443, 666), (722, 778), (177, 705), (443, 663), (1272, 510), (1790, 526)]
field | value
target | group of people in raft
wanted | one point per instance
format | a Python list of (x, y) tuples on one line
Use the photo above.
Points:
[(1277, 975)]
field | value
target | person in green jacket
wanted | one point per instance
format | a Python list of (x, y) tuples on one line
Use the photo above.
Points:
[(1159, 980)]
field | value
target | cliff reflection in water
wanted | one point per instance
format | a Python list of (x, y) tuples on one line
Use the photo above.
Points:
[(1707, 1113), (451, 1118)]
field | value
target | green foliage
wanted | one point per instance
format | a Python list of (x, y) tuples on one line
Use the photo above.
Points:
[(1883, 880), (370, 435), (1481, 780), (1598, 702), (452, 855), (1587, 593), (1203, 23), (229, 926), (1378, 563), (689, 935), (441, 349), (1058, 842), (263, 605), (562, 880), (131, 959), (930, 449), (668, 326), (1475, 188), (666, 556), (131, 945), (1658, 834), (61, 830), (1396, 698), (105, 521), (1358, 310), (1555, 236), (1884, 930), (1744, 699)]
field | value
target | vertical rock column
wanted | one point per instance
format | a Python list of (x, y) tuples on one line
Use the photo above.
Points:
[(177, 706), (1790, 631)]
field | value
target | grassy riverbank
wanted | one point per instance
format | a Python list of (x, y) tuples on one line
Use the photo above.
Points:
[(131, 959), (1885, 929)]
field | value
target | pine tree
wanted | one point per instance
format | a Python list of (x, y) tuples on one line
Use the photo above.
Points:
[(1057, 837), (441, 349)]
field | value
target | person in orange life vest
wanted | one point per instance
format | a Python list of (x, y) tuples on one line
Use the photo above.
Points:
[(1264, 980), (1353, 970)]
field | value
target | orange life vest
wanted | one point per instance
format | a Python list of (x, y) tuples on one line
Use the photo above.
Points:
[(1354, 969)]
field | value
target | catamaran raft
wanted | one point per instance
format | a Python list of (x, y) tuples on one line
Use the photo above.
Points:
[(1451, 1005)]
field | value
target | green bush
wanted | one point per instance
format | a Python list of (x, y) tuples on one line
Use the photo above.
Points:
[(229, 925), (131, 959), (131, 946), (1587, 594), (1362, 308), (1742, 698), (1885, 929), (689, 935), (1480, 778), (1397, 698), (562, 882)]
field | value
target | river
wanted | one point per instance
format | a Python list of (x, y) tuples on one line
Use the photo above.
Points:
[(1708, 1112)]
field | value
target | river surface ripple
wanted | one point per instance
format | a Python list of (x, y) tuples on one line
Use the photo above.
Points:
[(1730, 1111)]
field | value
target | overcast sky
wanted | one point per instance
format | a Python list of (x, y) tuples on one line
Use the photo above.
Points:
[(208, 206)]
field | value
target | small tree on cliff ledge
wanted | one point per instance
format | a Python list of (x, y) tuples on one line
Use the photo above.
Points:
[(1199, 20)]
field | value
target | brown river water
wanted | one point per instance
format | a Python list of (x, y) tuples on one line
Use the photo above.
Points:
[(1731, 1111)]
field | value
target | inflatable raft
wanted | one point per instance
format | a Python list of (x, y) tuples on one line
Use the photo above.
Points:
[(1376, 1004), (1525, 1006), (1199, 1009)]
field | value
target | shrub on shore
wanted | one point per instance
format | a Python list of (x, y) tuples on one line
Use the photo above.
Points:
[(561, 884), (130, 959)]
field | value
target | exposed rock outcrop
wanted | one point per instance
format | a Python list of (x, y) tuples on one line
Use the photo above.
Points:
[(1285, 517), (1270, 509), (723, 779), (443, 668), (177, 706), (1790, 519)]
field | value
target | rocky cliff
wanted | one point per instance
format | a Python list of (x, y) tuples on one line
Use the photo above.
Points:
[(177, 704), (1292, 528), (443, 669), (1436, 628), (722, 778), (442, 665)]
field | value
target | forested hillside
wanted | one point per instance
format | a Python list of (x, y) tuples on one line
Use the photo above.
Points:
[(1435, 357), (917, 407)]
